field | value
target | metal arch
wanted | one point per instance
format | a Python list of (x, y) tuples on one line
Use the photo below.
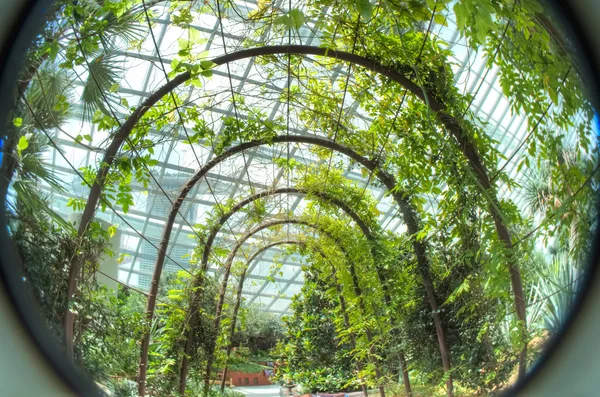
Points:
[(401, 198), (123, 132), (453, 125), (268, 193), (231, 256), (303, 191), (239, 298)]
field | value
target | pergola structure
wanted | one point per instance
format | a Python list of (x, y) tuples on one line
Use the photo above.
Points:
[(218, 133), (143, 73)]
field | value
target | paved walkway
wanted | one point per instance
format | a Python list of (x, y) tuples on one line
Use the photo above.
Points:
[(259, 391)]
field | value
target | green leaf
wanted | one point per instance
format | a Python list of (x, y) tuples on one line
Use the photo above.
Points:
[(196, 36), (460, 10), (17, 122), (440, 19), (23, 143), (283, 20), (53, 50), (297, 18), (207, 64), (553, 95), (364, 8), (175, 64), (124, 102), (184, 44), (114, 87), (87, 137), (112, 230)]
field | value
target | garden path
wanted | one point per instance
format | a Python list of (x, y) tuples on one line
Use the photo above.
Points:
[(259, 391)]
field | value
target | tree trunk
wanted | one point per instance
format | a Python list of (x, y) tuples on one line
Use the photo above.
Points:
[(405, 377)]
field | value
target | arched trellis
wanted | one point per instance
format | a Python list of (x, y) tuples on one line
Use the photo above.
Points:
[(322, 196), (402, 199), (452, 124), (238, 301), (228, 263)]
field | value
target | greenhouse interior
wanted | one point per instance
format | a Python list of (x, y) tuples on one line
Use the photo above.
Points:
[(289, 198)]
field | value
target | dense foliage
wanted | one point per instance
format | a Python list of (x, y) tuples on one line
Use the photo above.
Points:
[(495, 228)]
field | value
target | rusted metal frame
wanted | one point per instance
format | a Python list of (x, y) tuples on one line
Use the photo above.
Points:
[(238, 300), (320, 195), (323, 196), (239, 297), (194, 307)]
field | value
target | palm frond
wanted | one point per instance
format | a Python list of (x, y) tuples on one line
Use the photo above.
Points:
[(48, 96), (104, 72), (30, 201), (126, 27), (32, 168), (555, 292), (537, 193)]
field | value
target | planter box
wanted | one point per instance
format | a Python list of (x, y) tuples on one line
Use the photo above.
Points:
[(248, 379)]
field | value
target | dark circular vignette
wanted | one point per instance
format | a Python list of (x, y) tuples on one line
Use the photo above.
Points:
[(566, 16), (19, 36)]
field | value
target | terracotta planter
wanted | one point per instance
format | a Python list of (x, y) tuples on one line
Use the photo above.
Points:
[(248, 379)]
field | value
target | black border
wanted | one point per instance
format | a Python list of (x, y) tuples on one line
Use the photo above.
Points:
[(587, 62), (18, 38), (22, 32)]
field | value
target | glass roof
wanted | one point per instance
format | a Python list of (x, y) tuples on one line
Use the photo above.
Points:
[(276, 275)]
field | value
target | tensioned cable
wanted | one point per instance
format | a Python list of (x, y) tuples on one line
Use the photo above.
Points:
[(400, 107), (139, 291), (108, 204), (534, 128), (110, 277), (337, 125), (233, 102), (547, 217), (483, 79), (133, 146), (395, 116), (210, 189), (553, 214), (287, 131), (537, 301), (518, 149), (105, 201)]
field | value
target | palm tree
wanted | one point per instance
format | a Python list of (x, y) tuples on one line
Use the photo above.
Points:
[(44, 89), (555, 292)]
